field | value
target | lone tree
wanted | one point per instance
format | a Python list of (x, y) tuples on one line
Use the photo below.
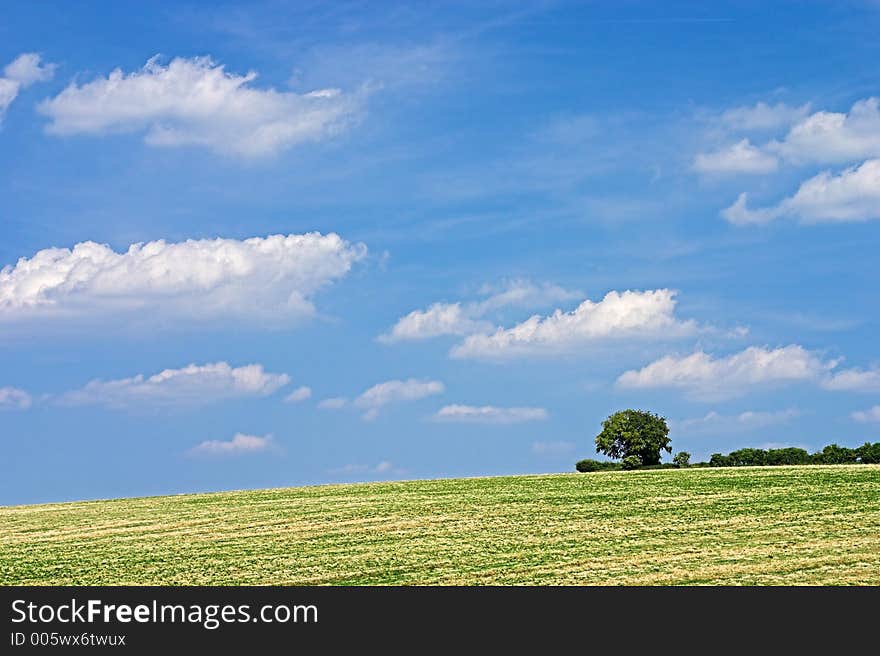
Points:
[(634, 433)]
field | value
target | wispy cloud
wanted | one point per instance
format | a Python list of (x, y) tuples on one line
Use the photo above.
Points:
[(196, 102), (741, 157), (854, 380), (333, 403), (716, 423), (190, 385), (22, 72), (488, 414), (871, 415), (12, 398), (395, 391), (763, 116), (299, 395), (552, 449), (238, 445), (384, 468)]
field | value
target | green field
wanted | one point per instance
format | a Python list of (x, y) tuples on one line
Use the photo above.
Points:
[(767, 525)]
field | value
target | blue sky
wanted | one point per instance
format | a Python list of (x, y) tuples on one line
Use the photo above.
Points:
[(470, 233)]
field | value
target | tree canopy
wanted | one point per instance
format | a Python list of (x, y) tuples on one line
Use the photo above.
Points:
[(634, 433)]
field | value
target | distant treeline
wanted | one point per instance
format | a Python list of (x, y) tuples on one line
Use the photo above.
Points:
[(831, 455)]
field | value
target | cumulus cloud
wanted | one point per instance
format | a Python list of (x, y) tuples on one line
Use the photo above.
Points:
[(852, 195), (762, 116), (706, 377), (439, 319), (629, 314), (818, 138), (190, 385), (22, 72), (488, 414), (197, 102), (552, 448), (395, 391), (713, 422), (12, 398), (262, 280), (334, 403), (467, 318), (741, 157), (854, 380), (870, 415), (834, 137), (298, 395), (239, 444)]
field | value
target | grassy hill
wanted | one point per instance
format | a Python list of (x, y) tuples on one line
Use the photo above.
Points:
[(768, 525)]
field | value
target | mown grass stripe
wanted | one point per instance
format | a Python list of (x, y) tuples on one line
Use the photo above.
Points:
[(770, 525)]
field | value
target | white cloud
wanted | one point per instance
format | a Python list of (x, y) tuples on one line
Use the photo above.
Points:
[(383, 467), (705, 377), (523, 294), (713, 422), (619, 315), (239, 444), (488, 414), (740, 214), (854, 380), (821, 137), (870, 415), (190, 385), (853, 137), (8, 92), (741, 157), (196, 102), (852, 195), (298, 395), (14, 399), (394, 391), (467, 318), (552, 448), (439, 319), (22, 72), (261, 280), (834, 137), (762, 116), (334, 403), (28, 69)]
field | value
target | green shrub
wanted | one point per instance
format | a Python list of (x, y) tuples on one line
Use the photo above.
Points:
[(869, 454), (835, 455), (682, 459), (588, 465), (787, 456), (747, 458), (631, 462)]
